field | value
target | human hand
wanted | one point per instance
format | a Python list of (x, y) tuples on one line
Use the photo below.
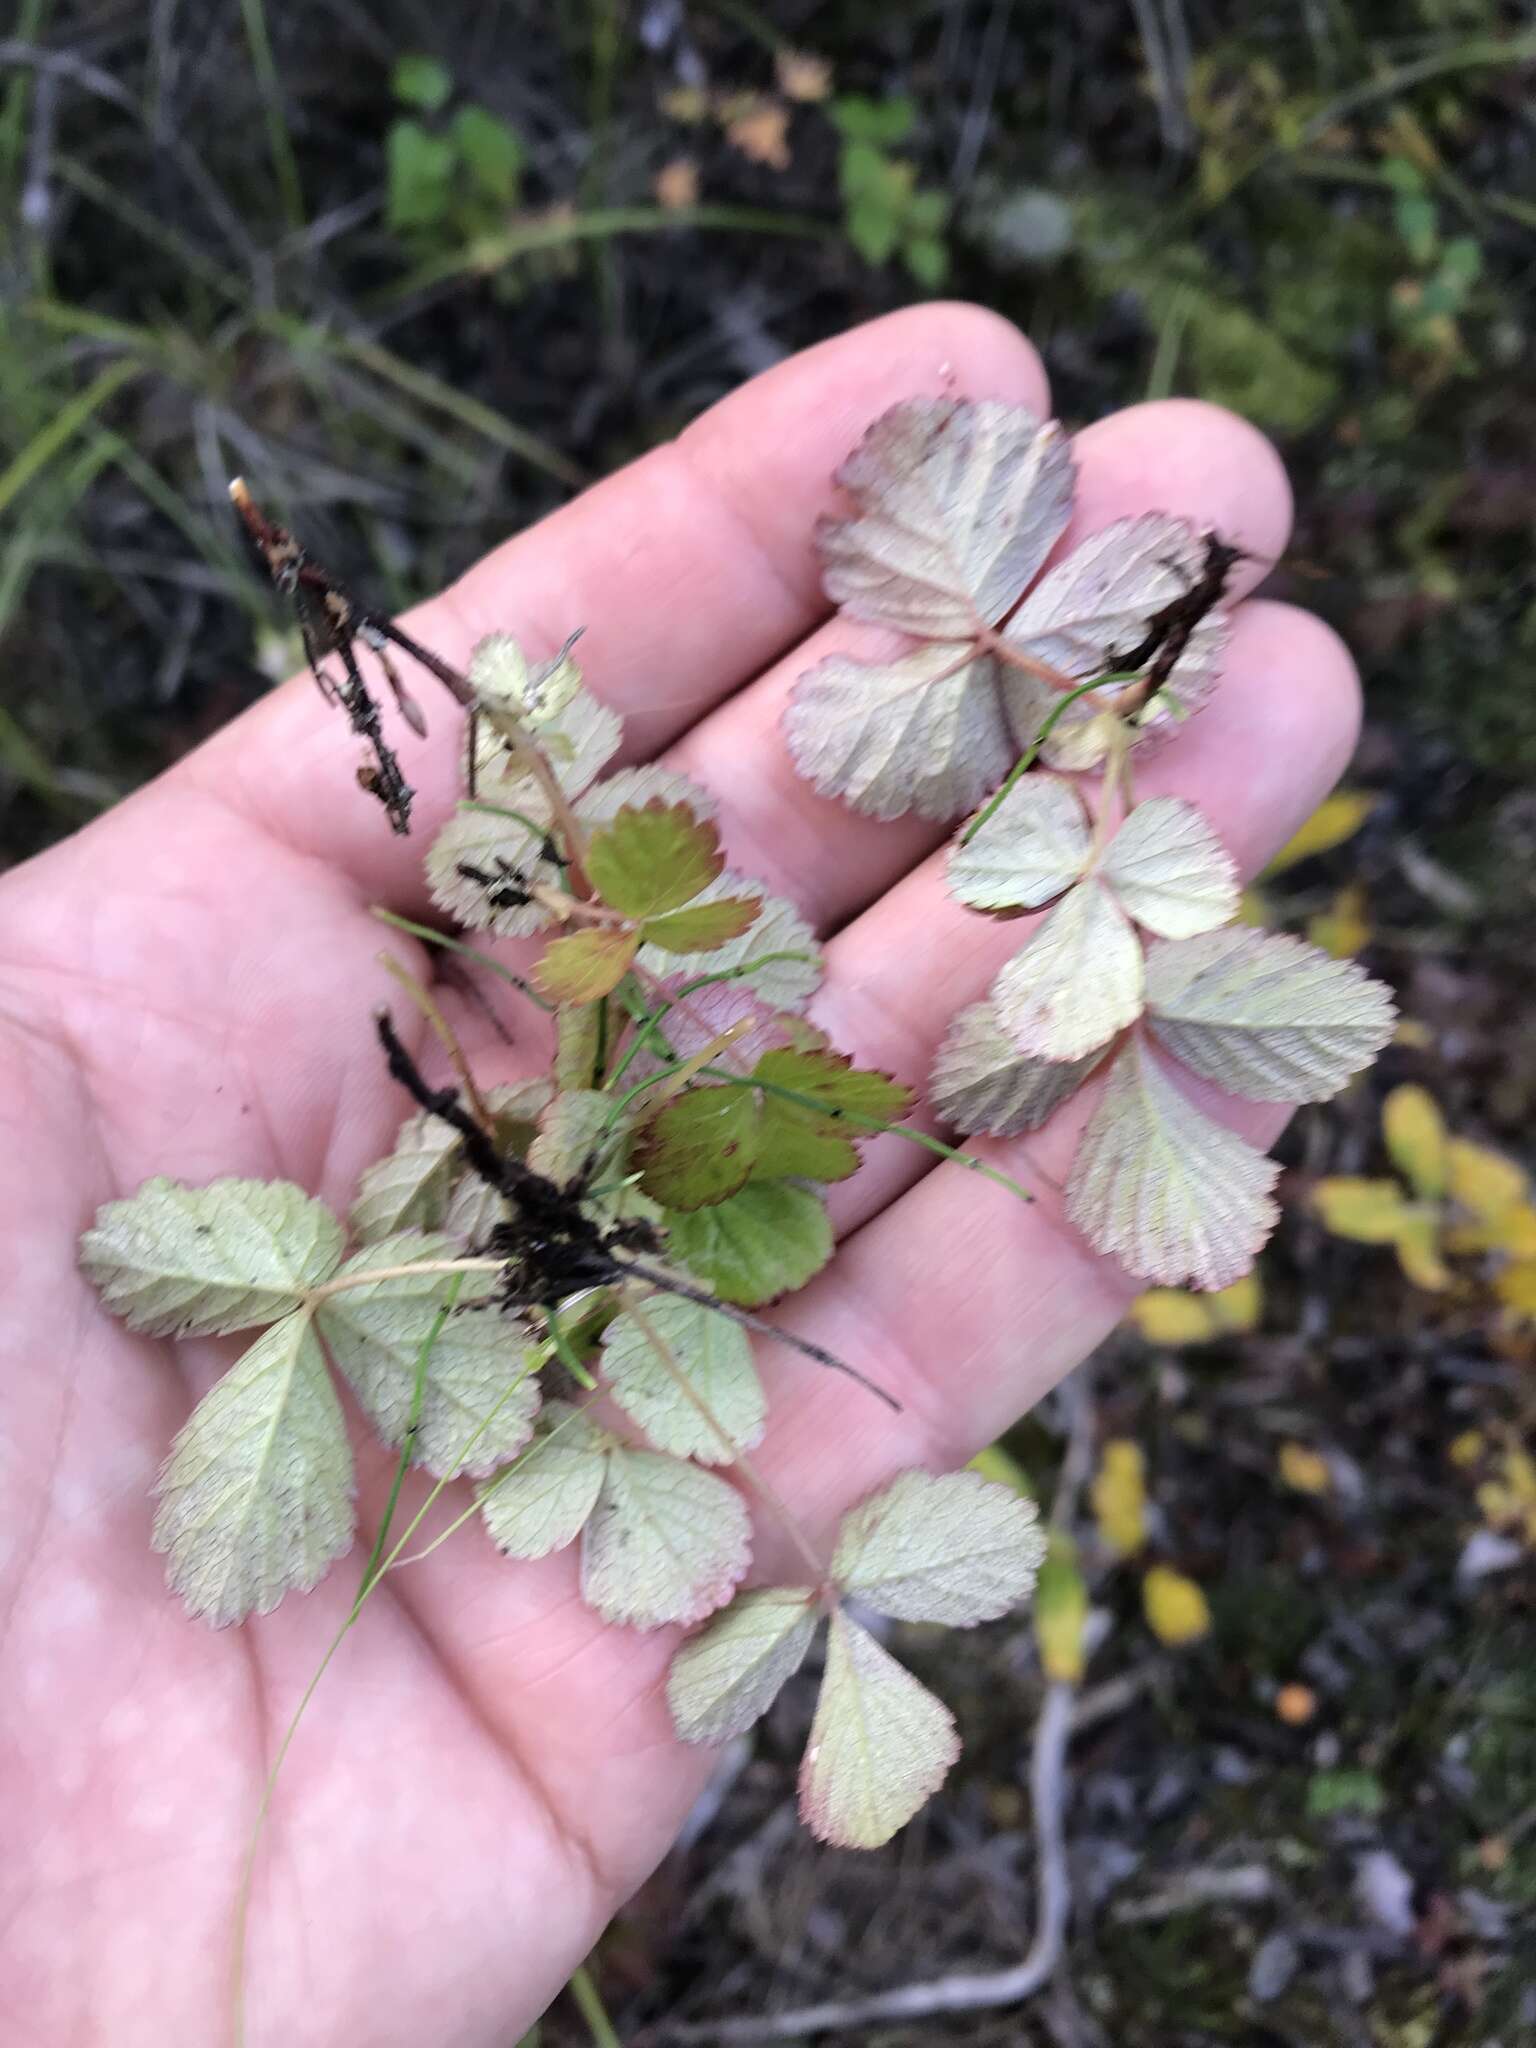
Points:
[(186, 988)]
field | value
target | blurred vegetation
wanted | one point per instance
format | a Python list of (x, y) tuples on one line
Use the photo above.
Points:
[(422, 272)]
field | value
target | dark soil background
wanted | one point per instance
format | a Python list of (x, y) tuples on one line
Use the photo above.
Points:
[(1321, 213)]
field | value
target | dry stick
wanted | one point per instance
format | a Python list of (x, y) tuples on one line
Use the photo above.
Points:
[(723, 1437)]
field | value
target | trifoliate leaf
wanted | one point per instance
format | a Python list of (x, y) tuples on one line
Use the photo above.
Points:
[(1170, 1193), (1266, 1016), (256, 1496), (1416, 1140), (765, 1241), (778, 930), (175, 1261), (1035, 844), (586, 965), (666, 1542), (699, 1149), (1337, 818), (572, 1130), (1119, 1495), (1366, 1211), (955, 1548), (1169, 870), (1103, 595), (1076, 983), (730, 1673), (541, 1503), (923, 731), (482, 1369), (1177, 1611), (703, 927), (1061, 1613), (982, 1082), (651, 859), (880, 1744), (715, 1357), (959, 503), (408, 1188)]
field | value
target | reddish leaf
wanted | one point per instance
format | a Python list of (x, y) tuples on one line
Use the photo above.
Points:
[(587, 965)]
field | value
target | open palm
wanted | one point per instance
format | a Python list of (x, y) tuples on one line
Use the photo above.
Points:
[(186, 988)]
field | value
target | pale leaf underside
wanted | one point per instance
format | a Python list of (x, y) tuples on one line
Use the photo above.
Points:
[(409, 1188), (1035, 845), (541, 1503), (1172, 1194), (880, 1744), (573, 1128), (481, 1390), (1169, 871), (665, 1542), (1078, 980), (959, 503), (923, 731), (777, 928), (1097, 601), (1266, 1016), (730, 1673), (715, 1357), (1081, 736), (183, 1262), (256, 1496), (982, 1082), (955, 1548)]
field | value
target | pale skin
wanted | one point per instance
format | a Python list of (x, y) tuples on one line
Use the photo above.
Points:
[(185, 988)]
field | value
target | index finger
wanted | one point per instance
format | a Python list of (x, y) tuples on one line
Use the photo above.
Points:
[(691, 570)]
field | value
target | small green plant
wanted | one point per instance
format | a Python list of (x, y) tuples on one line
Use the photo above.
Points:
[(885, 212), (549, 1290), (449, 177), (1427, 306)]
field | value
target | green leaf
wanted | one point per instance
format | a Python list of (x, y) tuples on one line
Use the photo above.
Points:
[(256, 1496), (702, 927), (955, 1548), (730, 1673), (1173, 1195), (699, 1149), (982, 1082), (874, 226), (419, 171), (1076, 983), (541, 1503), (880, 1745), (490, 151), (587, 965), (799, 1141), (1347, 1791), (408, 1188), (1034, 846), (761, 1243), (175, 1261), (714, 1356), (653, 859), (778, 929), (887, 121), (483, 1364), (666, 1542), (421, 82), (1266, 1016), (927, 258)]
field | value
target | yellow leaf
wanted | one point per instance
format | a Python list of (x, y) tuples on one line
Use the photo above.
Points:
[(1177, 1611), (1303, 1469), (1509, 1502), (1120, 1498), (1343, 929), (1416, 1036), (1466, 1448), (1253, 907), (1368, 1211), (1239, 1306), (1167, 1315), (1337, 818), (996, 1463), (1516, 1289), (1482, 1181), (1515, 1231), (1418, 1251), (1414, 1130), (1061, 1612)]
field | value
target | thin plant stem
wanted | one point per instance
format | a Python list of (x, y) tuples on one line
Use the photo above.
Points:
[(589, 2004), (445, 1037), (1031, 753), (449, 944), (343, 1281)]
